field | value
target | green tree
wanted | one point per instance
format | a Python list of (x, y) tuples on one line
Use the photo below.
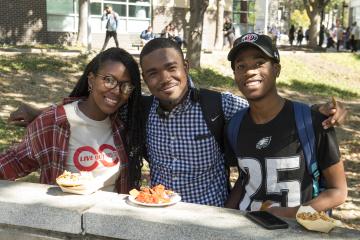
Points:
[(299, 18)]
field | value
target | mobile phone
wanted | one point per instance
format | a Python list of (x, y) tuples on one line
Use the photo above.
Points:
[(267, 220)]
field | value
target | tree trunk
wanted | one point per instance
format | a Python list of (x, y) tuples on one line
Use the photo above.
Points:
[(219, 37), (313, 10), (197, 11), (83, 18), (314, 29)]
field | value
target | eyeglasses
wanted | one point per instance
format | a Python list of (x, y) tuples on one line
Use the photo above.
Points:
[(111, 83)]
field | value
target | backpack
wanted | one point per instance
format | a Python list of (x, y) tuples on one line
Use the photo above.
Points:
[(211, 107), (306, 135)]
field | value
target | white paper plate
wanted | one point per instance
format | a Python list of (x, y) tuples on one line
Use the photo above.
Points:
[(175, 198), (82, 190), (318, 225)]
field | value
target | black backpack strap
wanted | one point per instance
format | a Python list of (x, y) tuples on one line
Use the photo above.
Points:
[(146, 102), (211, 107)]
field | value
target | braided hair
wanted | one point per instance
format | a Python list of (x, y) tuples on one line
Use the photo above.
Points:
[(134, 135)]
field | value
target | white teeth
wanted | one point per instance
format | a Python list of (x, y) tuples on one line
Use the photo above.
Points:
[(111, 101), (253, 83)]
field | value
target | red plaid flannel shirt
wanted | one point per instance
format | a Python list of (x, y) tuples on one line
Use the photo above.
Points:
[(45, 147)]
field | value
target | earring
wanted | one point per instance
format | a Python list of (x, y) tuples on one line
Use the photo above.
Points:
[(90, 88)]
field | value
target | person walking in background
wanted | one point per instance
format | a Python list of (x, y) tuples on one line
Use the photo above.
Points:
[(229, 32), (355, 37), (112, 24), (321, 35), (291, 35), (147, 35), (307, 35), (347, 38), (339, 32), (300, 36)]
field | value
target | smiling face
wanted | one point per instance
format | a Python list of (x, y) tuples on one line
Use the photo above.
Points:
[(103, 101), (255, 74), (165, 73)]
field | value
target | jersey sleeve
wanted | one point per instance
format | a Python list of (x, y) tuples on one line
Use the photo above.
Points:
[(231, 104), (327, 147)]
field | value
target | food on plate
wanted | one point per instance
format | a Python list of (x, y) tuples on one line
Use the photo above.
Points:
[(155, 195), (315, 221), (68, 179), (314, 216)]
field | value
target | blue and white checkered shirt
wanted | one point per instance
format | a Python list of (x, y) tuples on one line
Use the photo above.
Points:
[(193, 167)]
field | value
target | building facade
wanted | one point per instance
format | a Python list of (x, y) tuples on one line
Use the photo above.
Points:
[(56, 21)]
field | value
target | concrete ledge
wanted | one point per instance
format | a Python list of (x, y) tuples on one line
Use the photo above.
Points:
[(42, 207), (35, 211)]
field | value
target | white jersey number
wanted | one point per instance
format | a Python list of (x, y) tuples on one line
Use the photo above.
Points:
[(273, 186)]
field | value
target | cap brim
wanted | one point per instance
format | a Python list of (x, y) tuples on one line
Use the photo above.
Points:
[(234, 51)]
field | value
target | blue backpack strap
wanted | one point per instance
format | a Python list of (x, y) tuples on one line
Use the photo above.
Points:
[(234, 127), (307, 139)]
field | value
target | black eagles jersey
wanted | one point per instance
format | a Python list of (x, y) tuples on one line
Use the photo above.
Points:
[(272, 156)]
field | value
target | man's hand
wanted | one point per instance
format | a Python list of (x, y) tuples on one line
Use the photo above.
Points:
[(24, 115), (335, 111)]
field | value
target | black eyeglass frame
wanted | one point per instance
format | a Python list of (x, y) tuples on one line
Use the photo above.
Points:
[(122, 85)]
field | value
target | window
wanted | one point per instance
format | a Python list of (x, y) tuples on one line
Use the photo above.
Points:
[(244, 15), (62, 15)]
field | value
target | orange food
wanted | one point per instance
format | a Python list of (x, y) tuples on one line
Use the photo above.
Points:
[(157, 194)]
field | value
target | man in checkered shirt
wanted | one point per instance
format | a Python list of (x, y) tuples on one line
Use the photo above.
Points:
[(182, 153)]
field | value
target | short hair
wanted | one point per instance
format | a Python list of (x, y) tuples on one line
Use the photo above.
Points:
[(159, 43)]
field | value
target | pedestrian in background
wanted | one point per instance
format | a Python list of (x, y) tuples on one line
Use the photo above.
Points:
[(112, 24), (291, 35), (229, 32)]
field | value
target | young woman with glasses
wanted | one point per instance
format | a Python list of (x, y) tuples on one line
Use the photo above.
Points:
[(85, 133)]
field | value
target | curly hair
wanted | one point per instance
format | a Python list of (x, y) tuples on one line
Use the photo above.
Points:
[(134, 135)]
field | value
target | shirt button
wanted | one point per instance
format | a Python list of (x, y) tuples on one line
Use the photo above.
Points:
[(173, 137), (175, 159)]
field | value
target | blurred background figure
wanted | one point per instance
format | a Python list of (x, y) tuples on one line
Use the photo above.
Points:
[(112, 24), (291, 35), (300, 36), (229, 32), (147, 35), (321, 35)]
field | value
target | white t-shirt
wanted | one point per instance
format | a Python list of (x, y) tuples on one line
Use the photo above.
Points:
[(91, 147)]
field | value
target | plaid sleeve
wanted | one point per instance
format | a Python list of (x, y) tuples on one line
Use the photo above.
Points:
[(19, 160), (231, 104), (31, 152)]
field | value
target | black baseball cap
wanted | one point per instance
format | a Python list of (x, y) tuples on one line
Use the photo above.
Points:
[(261, 41)]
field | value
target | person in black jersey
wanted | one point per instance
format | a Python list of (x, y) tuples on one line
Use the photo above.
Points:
[(269, 150)]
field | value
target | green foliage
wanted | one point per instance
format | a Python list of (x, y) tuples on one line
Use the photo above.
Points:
[(210, 78), (40, 63), (300, 18), (9, 134)]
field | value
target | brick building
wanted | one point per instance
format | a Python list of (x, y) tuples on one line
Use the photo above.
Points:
[(56, 21)]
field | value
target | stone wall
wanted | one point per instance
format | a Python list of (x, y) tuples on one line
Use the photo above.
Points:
[(36, 211)]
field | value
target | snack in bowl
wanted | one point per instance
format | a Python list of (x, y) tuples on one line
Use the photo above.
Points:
[(155, 195), (315, 221)]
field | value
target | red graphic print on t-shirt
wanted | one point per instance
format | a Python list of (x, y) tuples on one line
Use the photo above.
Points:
[(87, 158)]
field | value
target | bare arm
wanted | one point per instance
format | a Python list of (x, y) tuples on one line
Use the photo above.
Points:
[(333, 196), (235, 194)]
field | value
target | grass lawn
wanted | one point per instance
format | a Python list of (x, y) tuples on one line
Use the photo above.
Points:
[(310, 77)]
